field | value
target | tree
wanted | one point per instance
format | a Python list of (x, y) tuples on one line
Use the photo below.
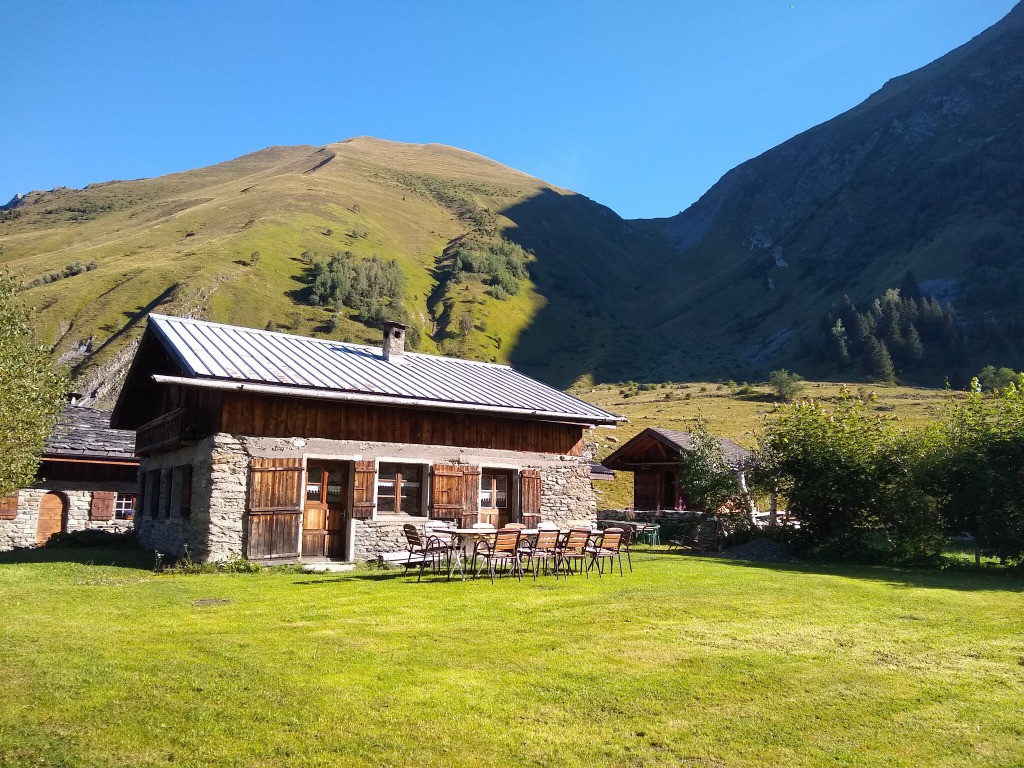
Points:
[(786, 385), (710, 481), (32, 392)]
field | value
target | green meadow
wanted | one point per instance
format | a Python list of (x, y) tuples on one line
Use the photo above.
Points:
[(687, 661)]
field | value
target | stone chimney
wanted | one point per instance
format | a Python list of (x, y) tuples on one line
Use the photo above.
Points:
[(394, 342)]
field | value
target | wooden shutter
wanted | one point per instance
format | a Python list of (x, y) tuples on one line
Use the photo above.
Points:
[(449, 491), (275, 508), (9, 506), (471, 504), (529, 498), (363, 487), (102, 508)]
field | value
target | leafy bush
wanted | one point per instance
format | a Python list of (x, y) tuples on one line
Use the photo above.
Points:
[(855, 487)]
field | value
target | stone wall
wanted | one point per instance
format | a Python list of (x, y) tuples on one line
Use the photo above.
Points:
[(567, 494), (21, 531)]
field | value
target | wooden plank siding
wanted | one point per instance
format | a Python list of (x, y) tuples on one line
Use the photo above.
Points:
[(267, 416)]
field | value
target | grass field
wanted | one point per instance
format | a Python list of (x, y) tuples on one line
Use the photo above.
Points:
[(686, 662)]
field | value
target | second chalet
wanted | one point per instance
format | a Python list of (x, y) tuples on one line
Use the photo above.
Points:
[(278, 448)]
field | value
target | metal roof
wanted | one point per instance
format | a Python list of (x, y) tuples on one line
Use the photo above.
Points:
[(247, 355)]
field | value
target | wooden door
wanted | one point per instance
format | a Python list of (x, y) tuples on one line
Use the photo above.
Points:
[(325, 510), (274, 510), (52, 516)]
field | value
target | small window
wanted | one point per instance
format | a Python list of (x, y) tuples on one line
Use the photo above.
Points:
[(399, 488), (493, 491), (185, 491), (124, 506), (153, 496)]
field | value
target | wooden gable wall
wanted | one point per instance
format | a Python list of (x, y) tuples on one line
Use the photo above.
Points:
[(244, 413)]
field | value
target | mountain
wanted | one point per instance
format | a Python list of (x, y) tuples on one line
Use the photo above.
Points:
[(926, 176), (920, 188), (246, 242)]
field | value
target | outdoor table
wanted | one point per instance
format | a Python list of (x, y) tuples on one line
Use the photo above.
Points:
[(462, 540)]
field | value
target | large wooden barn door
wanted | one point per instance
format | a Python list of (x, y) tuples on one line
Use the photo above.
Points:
[(275, 509), (53, 513)]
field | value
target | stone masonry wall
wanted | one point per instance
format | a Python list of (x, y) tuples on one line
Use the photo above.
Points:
[(214, 529), (567, 494), (21, 531)]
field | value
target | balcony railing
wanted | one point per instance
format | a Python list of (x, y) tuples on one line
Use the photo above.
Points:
[(172, 430)]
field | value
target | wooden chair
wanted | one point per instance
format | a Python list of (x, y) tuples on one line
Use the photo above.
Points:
[(610, 548), (544, 550), (505, 549), (424, 550), (626, 543), (574, 549)]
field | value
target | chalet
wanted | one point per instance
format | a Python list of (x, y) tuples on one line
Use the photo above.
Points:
[(87, 479), (278, 447), (655, 457)]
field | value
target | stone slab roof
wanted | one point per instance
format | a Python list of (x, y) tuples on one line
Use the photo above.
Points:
[(85, 432)]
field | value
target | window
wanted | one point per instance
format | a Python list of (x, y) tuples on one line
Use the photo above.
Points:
[(493, 491), (153, 494), (184, 473), (124, 506), (399, 488)]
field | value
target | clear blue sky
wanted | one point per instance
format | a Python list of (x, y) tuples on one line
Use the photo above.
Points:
[(639, 105)]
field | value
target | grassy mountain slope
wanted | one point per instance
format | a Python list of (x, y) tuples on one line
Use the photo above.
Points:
[(184, 243), (923, 176)]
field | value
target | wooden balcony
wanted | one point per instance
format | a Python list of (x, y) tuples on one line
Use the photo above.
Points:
[(183, 426)]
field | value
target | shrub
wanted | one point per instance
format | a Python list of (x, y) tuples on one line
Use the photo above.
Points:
[(786, 385)]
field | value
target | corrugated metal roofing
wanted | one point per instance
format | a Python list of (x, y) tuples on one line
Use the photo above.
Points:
[(247, 355)]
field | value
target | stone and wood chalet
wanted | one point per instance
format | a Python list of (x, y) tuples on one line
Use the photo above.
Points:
[(655, 457), (87, 478), (277, 447)]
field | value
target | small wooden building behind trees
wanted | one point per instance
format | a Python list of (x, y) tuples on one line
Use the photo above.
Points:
[(87, 478), (278, 447), (655, 457)]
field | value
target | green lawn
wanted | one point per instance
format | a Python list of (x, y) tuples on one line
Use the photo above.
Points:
[(686, 662)]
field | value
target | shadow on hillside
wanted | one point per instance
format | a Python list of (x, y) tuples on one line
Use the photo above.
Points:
[(124, 556), (918, 578), (601, 277)]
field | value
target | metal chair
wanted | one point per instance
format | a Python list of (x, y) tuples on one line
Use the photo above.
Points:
[(608, 549), (544, 550), (424, 550), (574, 549), (505, 549)]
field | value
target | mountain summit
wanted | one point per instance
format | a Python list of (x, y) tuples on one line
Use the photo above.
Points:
[(792, 259)]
